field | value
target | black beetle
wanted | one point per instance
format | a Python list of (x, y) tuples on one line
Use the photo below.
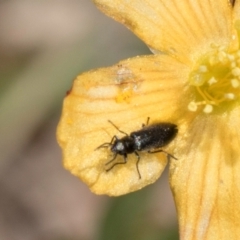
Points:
[(148, 138)]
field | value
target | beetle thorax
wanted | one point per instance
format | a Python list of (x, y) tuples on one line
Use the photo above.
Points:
[(123, 146)]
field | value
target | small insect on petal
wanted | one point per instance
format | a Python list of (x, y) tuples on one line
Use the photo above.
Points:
[(122, 93), (148, 138)]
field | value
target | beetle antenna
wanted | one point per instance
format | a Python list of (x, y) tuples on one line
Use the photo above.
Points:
[(104, 145), (107, 144), (118, 128), (106, 132)]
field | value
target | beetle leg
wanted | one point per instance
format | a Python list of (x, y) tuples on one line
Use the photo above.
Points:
[(147, 121), (118, 128), (168, 154), (111, 159), (143, 125), (138, 159), (117, 163)]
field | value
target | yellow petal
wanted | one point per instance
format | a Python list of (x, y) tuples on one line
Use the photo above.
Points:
[(127, 94), (182, 28), (206, 180), (236, 10)]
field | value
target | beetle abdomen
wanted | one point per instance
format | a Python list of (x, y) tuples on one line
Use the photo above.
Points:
[(154, 136)]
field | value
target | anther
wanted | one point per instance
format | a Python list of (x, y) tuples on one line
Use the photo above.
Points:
[(208, 108)]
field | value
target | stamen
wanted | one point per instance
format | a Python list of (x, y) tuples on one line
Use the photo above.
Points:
[(233, 64), (229, 96), (236, 72), (197, 79), (235, 83), (192, 106), (203, 69), (231, 57), (212, 80), (208, 108), (216, 77), (222, 56)]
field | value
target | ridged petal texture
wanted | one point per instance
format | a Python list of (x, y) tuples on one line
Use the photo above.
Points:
[(181, 28), (206, 182), (236, 10), (126, 94)]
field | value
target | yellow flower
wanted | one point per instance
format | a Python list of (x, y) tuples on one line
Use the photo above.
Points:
[(191, 80)]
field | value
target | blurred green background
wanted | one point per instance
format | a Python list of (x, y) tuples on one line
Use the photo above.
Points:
[(44, 45)]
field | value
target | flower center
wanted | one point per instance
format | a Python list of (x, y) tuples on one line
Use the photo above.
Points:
[(216, 79)]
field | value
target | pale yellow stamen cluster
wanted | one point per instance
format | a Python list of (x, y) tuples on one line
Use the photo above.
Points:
[(216, 79)]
